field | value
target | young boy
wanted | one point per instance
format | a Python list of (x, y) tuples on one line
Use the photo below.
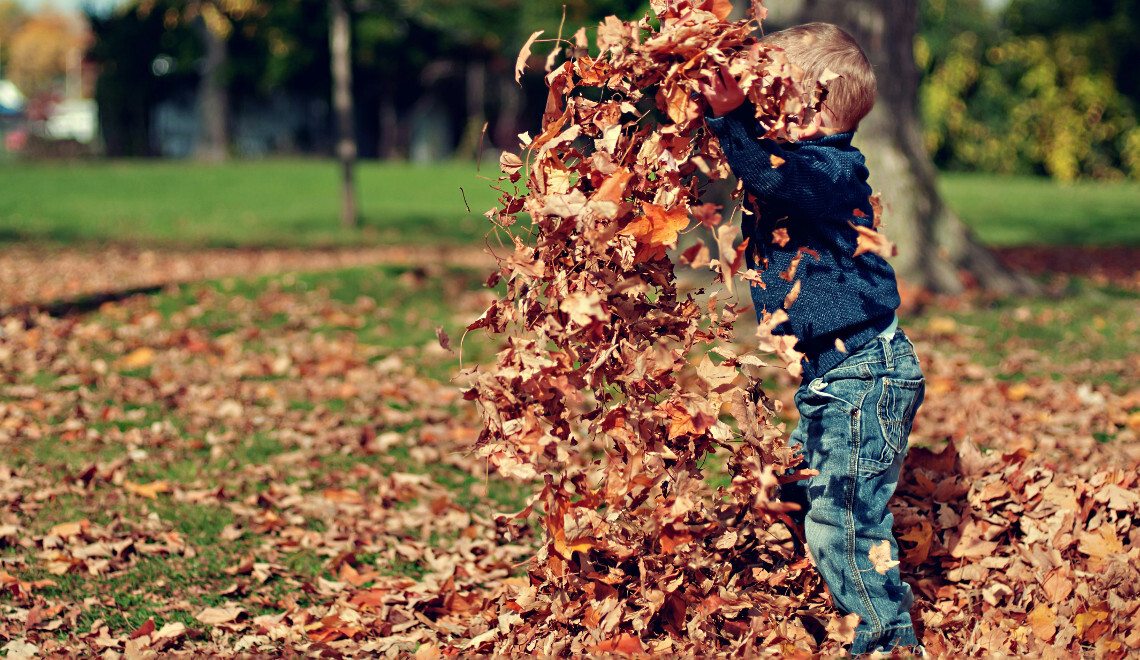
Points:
[(862, 383)]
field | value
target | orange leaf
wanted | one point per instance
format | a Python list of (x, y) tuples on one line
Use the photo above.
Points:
[(659, 226), (720, 8), (776, 160), (872, 241), (624, 643), (613, 188), (921, 536), (69, 528)]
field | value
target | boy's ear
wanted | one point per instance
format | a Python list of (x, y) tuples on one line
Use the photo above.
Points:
[(812, 128)]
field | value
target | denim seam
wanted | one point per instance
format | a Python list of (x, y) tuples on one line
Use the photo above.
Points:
[(849, 513)]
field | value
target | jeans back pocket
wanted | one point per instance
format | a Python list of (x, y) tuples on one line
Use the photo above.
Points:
[(897, 407)]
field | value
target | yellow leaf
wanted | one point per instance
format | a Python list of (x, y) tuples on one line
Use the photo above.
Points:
[(1043, 621), (138, 358), (149, 491)]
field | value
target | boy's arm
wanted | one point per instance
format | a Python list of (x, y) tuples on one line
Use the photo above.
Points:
[(778, 175), (766, 169)]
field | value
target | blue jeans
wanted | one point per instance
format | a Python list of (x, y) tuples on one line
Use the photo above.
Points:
[(854, 423)]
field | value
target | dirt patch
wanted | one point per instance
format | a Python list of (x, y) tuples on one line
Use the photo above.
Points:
[(39, 277), (1119, 265)]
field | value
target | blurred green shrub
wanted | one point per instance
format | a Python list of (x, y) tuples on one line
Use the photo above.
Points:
[(995, 99)]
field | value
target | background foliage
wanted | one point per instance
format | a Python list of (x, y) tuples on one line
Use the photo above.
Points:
[(1043, 87)]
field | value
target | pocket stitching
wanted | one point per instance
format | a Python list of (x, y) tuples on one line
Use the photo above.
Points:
[(892, 429)]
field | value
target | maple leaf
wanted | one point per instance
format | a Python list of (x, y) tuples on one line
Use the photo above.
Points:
[(584, 307), (880, 555), (658, 226), (624, 644)]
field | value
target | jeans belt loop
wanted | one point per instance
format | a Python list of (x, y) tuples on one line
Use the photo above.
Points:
[(888, 353)]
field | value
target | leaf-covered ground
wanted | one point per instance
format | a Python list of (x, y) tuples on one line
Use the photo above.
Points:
[(280, 465)]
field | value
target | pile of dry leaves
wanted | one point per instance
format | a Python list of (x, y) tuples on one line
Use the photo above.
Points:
[(596, 393)]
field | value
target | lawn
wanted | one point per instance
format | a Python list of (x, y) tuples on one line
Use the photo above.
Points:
[(1007, 210), (294, 203), (278, 203)]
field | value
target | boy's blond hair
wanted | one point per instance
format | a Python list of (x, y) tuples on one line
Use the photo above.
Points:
[(821, 47)]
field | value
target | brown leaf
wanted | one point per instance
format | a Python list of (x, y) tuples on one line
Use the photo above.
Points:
[(145, 629), (524, 55), (217, 615)]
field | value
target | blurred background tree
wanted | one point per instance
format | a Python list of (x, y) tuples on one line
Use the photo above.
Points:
[(1043, 87), (40, 47)]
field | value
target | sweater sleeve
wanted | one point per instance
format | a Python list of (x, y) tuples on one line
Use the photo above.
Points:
[(802, 178)]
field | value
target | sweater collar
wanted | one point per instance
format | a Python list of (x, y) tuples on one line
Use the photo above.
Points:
[(836, 140)]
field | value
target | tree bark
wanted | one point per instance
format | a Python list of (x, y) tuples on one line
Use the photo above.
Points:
[(476, 97), (340, 46), (213, 140), (936, 250)]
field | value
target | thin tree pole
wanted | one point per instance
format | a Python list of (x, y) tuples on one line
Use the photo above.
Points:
[(340, 45)]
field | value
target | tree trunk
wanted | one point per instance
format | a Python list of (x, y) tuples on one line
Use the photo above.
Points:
[(389, 126), (508, 124), (340, 46), (936, 250), (213, 140), (476, 77)]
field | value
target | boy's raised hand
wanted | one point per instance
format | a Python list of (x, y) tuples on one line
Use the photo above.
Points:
[(722, 92)]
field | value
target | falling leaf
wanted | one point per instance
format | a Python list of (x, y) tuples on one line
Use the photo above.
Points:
[(658, 226), (880, 556), (524, 55), (870, 240), (444, 340)]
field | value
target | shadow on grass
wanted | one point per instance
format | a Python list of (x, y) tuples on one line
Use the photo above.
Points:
[(69, 308)]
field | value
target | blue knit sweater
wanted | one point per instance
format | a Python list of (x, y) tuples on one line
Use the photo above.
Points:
[(815, 194)]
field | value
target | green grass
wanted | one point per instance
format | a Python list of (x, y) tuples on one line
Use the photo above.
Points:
[(291, 203), (1087, 330), (295, 203), (1007, 211)]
